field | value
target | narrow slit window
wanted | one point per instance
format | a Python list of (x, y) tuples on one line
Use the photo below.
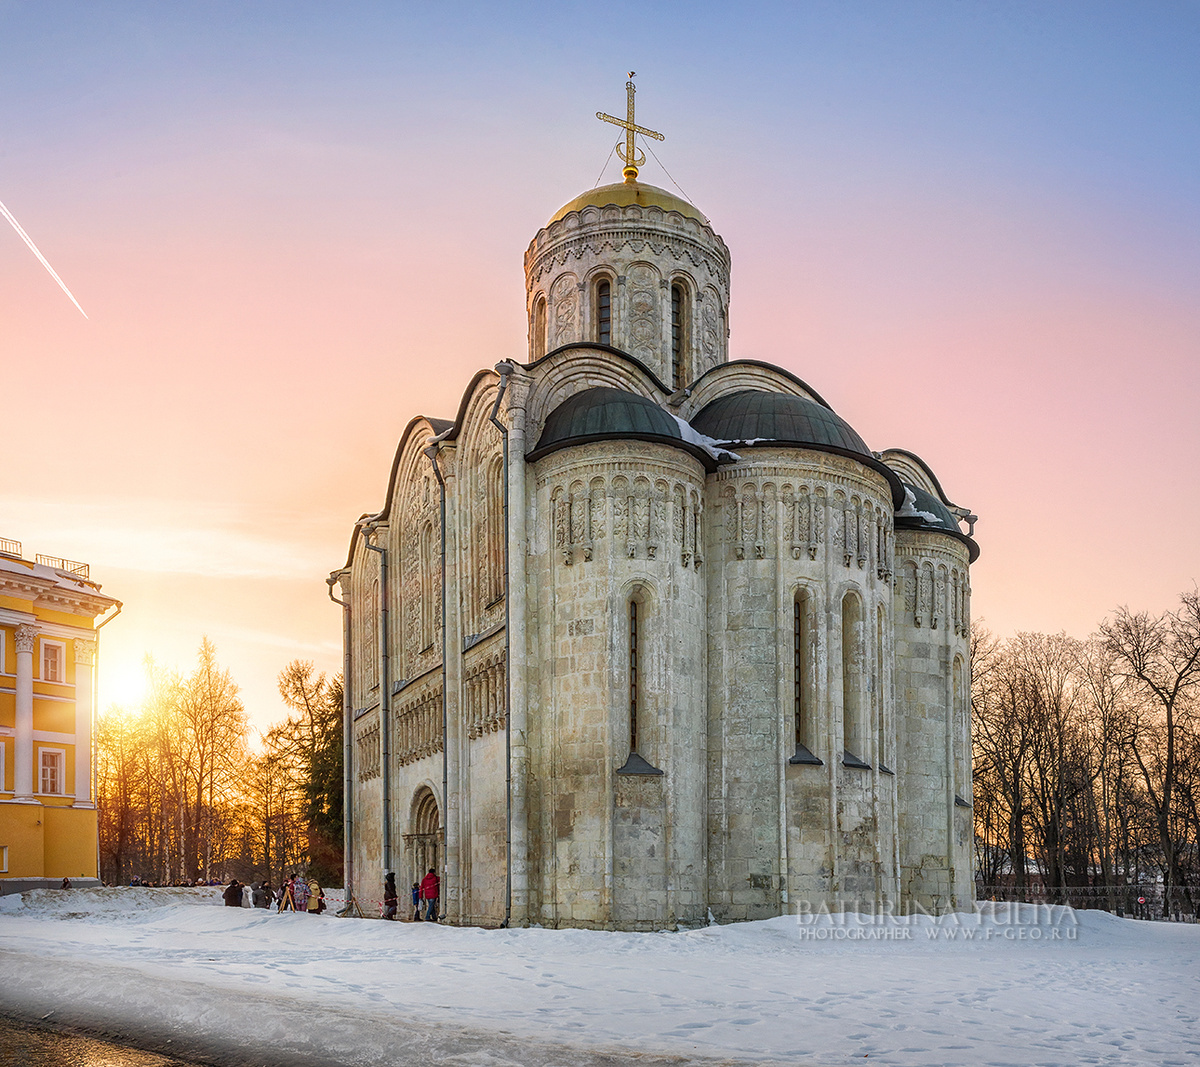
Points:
[(677, 337), (604, 313), (853, 734), (636, 763), (801, 700), (633, 674), (883, 752), (798, 657)]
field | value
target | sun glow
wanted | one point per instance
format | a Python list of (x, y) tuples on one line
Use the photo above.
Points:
[(123, 684)]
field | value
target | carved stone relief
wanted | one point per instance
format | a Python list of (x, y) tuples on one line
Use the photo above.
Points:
[(645, 518), (709, 330), (645, 300), (564, 300)]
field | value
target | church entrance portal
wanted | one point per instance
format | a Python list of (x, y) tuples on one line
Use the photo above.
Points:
[(423, 847)]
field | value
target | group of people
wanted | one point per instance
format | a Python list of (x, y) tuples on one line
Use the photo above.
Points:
[(296, 894), (306, 895), (424, 897)]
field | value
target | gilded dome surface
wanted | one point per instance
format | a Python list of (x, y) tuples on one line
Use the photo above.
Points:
[(623, 194)]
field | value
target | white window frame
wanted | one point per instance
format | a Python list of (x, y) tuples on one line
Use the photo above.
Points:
[(62, 661), (3, 649), (3, 859), (43, 750), (3, 768)]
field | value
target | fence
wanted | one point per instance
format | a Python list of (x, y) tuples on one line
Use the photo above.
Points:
[(69, 565), (1134, 901)]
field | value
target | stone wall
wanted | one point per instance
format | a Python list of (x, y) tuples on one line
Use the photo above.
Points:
[(786, 527), (616, 524), (932, 648)]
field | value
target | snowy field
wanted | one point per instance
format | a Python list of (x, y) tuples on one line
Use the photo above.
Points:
[(1011, 985)]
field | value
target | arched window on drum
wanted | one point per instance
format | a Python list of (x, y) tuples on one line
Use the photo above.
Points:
[(537, 328), (603, 311), (679, 336)]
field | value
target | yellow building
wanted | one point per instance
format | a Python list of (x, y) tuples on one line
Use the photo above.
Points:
[(49, 612)]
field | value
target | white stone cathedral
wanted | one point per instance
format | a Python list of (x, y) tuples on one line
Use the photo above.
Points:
[(643, 632)]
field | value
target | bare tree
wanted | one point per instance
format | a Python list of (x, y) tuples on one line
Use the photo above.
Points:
[(1160, 657)]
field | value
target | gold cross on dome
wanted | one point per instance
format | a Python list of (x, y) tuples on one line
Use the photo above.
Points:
[(629, 154)]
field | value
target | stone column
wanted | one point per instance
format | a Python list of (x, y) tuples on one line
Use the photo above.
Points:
[(85, 654), (26, 637)]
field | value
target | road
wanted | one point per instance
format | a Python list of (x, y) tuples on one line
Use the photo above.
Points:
[(25, 1045)]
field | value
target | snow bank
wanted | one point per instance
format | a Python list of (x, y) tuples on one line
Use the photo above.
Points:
[(1006, 985)]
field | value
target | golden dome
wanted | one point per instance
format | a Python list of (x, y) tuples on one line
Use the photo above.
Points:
[(630, 192)]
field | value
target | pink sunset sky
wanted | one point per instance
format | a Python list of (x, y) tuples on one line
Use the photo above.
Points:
[(973, 227)]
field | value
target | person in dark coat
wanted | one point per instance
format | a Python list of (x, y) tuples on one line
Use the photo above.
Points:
[(390, 897), (430, 887), (416, 898), (233, 894)]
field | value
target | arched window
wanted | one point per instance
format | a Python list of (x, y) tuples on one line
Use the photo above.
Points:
[(802, 696), (372, 642), (678, 336), (853, 734), (537, 338), (604, 312), (494, 551), (429, 586)]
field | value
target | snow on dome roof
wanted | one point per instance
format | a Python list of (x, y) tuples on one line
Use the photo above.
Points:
[(924, 511)]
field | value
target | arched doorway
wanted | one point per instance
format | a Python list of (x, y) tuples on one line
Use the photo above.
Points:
[(423, 846)]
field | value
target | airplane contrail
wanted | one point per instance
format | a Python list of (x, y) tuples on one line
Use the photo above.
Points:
[(34, 249)]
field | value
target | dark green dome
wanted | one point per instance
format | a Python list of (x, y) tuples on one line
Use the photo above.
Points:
[(752, 415), (606, 414), (924, 511)]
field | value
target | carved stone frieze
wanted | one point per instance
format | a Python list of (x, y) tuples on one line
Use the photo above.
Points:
[(417, 724), (485, 694), (366, 751), (646, 516)]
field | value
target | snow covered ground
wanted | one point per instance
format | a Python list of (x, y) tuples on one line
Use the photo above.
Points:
[(1011, 985)]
